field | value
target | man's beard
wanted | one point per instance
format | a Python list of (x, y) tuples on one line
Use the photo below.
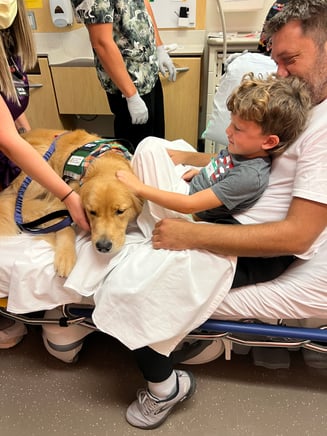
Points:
[(317, 85)]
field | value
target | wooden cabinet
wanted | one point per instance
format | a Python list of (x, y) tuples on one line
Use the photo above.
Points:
[(42, 109), (182, 100), (78, 91)]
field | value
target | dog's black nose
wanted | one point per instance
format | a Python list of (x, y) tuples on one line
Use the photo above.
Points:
[(103, 245)]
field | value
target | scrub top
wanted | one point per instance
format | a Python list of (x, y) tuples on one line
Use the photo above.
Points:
[(8, 170)]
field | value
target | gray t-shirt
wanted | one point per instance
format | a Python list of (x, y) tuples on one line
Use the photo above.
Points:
[(238, 182)]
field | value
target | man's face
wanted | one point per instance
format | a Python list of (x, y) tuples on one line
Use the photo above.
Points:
[(298, 55)]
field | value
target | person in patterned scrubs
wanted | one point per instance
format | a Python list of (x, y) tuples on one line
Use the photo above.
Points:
[(128, 54)]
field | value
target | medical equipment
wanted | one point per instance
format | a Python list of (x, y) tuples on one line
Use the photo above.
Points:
[(246, 333), (224, 31), (61, 13)]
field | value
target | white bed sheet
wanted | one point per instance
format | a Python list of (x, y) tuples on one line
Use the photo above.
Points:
[(299, 293), (155, 297), (163, 305), (28, 279)]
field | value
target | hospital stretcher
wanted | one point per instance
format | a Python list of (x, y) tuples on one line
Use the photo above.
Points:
[(246, 333)]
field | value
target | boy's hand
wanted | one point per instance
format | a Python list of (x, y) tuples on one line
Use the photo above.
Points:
[(188, 176), (130, 180)]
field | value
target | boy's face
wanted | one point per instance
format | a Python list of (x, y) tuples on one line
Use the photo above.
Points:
[(246, 138)]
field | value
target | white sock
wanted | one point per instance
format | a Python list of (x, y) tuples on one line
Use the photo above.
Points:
[(163, 389)]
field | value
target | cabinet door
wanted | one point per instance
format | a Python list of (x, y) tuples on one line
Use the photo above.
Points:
[(78, 91), (182, 101), (42, 109)]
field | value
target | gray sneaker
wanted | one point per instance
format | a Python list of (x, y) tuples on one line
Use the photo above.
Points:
[(149, 412), (11, 332)]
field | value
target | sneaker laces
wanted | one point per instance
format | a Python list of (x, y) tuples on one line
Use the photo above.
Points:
[(147, 401)]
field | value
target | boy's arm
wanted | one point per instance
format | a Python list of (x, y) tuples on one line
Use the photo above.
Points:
[(197, 202)]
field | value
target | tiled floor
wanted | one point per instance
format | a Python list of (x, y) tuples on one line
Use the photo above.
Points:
[(42, 396)]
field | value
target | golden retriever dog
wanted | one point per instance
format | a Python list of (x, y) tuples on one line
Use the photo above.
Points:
[(109, 205)]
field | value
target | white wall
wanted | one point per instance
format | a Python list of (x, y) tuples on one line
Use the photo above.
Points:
[(236, 21)]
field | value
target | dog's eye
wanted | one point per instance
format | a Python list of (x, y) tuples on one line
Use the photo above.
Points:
[(120, 211), (93, 212)]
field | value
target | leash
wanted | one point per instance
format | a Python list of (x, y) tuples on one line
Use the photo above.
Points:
[(32, 226)]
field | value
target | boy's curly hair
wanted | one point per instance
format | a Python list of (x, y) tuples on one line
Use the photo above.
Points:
[(280, 106)]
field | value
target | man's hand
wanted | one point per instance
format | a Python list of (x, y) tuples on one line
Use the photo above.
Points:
[(177, 156), (173, 234), (137, 109)]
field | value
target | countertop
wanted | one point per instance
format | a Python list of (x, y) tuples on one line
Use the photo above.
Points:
[(74, 48), (235, 41)]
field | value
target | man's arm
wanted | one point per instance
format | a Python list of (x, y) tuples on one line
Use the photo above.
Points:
[(190, 157), (293, 235)]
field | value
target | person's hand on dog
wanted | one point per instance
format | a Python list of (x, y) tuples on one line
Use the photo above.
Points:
[(131, 181), (74, 205)]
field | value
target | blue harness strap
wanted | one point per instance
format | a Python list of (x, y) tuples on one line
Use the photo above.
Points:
[(32, 225), (74, 169)]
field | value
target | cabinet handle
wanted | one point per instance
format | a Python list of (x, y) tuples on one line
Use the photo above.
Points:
[(182, 69), (35, 85)]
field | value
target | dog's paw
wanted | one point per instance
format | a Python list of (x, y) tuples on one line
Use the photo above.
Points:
[(64, 264)]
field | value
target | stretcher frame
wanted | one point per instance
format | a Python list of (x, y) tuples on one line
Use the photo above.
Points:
[(250, 333)]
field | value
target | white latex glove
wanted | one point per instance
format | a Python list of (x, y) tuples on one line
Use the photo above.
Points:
[(137, 109), (165, 63)]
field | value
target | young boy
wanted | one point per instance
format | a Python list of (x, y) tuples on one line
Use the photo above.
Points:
[(267, 115)]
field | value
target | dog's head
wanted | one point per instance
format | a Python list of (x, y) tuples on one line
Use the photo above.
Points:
[(109, 205)]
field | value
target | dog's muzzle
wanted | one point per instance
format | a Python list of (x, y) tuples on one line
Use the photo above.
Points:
[(103, 245)]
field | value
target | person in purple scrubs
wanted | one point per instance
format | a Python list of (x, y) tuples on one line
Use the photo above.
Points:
[(17, 54)]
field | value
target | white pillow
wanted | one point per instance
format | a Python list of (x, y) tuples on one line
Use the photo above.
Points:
[(235, 70)]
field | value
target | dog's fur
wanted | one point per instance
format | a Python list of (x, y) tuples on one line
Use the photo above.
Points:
[(109, 205)]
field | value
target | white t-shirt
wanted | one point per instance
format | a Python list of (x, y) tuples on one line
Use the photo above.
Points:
[(301, 171)]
